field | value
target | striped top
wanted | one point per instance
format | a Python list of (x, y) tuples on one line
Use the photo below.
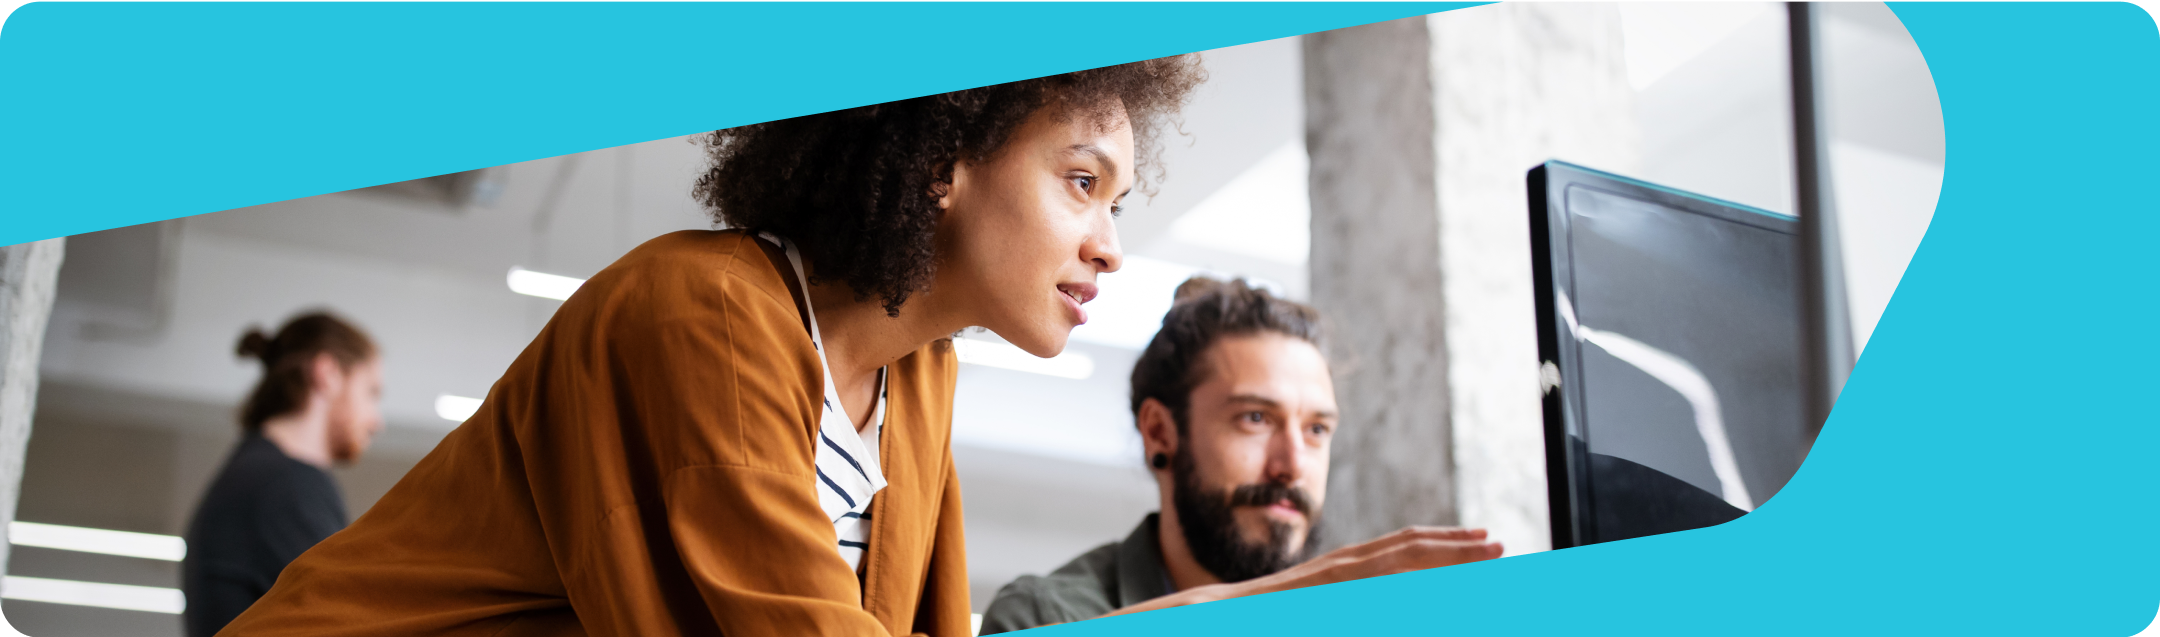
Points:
[(848, 472)]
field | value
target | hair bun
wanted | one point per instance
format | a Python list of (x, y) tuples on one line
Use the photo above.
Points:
[(255, 344), (1197, 286)]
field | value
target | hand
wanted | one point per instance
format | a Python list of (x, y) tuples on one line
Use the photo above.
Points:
[(1412, 549)]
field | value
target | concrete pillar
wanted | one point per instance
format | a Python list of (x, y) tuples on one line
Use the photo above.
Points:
[(1420, 133), (1376, 275), (29, 276)]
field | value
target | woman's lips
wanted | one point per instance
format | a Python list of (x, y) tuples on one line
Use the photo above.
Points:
[(1079, 314), (1076, 294)]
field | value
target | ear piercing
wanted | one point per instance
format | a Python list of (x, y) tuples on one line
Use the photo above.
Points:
[(1160, 460)]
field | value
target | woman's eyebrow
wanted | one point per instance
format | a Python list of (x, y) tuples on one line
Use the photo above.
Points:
[(1109, 166)]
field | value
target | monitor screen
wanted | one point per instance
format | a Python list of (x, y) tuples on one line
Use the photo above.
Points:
[(1671, 333)]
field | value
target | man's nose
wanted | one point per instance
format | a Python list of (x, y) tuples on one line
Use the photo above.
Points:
[(1284, 464)]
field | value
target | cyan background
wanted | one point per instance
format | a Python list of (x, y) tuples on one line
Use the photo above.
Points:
[(215, 106), (1988, 469)]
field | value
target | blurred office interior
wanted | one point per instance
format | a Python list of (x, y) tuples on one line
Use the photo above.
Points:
[(139, 384)]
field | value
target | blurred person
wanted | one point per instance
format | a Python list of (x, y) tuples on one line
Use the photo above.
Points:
[(1236, 407), (316, 405), (747, 431)]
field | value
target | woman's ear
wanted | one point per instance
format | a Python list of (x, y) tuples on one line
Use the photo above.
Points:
[(942, 191), (1158, 431), (952, 187)]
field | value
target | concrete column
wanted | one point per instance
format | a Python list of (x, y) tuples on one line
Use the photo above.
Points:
[(29, 276), (1376, 275), (1421, 132)]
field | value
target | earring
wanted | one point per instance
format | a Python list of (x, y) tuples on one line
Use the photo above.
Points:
[(1160, 460)]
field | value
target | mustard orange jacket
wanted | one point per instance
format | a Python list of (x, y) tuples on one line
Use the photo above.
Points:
[(645, 468)]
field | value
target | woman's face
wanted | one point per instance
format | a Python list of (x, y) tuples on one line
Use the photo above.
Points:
[(1026, 231)]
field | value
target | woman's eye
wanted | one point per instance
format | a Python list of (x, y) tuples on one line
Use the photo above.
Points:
[(1087, 184), (1117, 209)]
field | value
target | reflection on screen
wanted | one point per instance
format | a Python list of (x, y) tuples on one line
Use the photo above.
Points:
[(1687, 328)]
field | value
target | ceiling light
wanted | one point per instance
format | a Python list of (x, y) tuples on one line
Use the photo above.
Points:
[(120, 596), (1071, 364), (542, 284), (74, 538), (456, 408)]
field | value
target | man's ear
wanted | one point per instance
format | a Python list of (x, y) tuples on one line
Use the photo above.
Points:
[(324, 375), (1158, 430)]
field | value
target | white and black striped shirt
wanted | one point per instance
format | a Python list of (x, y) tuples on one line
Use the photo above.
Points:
[(848, 472)]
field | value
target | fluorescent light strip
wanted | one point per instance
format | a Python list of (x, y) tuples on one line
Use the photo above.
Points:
[(456, 408), (75, 538), (542, 284), (73, 593), (1071, 364)]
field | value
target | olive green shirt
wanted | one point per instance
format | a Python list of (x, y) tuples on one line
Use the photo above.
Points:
[(1111, 577)]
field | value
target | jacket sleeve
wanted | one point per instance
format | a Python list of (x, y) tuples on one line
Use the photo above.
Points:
[(707, 388), (762, 555), (944, 609)]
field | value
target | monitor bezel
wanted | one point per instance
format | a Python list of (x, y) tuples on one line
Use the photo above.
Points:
[(1552, 269)]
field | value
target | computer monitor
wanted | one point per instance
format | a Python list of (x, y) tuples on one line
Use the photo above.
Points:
[(1671, 334)]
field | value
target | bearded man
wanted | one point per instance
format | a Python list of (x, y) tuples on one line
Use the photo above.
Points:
[(1236, 407)]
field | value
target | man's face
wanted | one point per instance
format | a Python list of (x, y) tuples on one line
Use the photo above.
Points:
[(356, 411), (1251, 473)]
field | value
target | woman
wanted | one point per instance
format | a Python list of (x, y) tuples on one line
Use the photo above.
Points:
[(316, 405), (746, 432)]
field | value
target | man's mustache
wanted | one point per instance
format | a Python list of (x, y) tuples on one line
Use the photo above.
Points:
[(1267, 493)]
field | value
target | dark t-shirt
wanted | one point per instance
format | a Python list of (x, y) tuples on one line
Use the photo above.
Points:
[(263, 510)]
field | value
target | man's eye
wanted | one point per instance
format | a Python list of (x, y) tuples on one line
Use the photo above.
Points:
[(1319, 430), (1255, 417)]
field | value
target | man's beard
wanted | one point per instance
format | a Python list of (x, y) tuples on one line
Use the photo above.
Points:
[(1211, 529), (344, 448)]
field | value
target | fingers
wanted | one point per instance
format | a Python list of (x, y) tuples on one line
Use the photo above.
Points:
[(1437, 553), (1448, 532), (1402, 551), (1422, 533), (1415, 535), (1430, 553)]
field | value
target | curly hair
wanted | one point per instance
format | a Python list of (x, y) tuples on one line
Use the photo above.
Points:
[(853, 188)]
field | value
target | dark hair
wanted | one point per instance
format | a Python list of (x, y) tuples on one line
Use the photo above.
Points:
[(854, 187), (1206, 311), (288, 358)]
